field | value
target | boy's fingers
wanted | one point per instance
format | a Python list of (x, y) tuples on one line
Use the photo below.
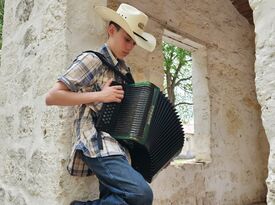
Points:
[(117, 87)]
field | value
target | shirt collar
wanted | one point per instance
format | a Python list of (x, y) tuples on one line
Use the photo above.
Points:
[(113, 58), (106, 51)]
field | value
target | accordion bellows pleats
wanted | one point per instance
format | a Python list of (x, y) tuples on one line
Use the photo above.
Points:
[(147, 124)]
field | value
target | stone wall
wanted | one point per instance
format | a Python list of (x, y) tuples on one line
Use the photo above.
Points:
[(41, 39), (33, 49), (264, 15)]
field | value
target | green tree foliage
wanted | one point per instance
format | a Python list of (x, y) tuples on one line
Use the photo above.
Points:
[(178, 79), (2, 2)]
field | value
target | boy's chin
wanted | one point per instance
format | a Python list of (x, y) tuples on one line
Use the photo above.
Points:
[(122, 56)]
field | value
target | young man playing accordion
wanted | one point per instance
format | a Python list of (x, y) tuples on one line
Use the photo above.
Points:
[(86, 84)]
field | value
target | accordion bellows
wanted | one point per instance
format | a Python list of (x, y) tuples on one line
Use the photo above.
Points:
[(147, 124)]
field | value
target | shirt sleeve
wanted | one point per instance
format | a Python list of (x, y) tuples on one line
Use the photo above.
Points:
[(81, 72)]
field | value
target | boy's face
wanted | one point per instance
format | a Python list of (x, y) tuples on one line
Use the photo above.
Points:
[(120, 42)]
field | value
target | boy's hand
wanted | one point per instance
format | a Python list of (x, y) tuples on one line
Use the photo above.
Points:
[(111, 93)]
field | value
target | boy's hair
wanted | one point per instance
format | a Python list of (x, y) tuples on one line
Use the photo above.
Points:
[(115, 24)]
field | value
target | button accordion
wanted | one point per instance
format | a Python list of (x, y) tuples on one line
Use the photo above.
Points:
[(147, 124)]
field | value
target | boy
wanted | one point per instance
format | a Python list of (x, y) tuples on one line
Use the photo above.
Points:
[(87, 84)]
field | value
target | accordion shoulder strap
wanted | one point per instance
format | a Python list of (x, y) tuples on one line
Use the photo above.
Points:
[(128, 78)]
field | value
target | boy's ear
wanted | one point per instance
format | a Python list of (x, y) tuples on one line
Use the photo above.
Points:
[(111, 29)]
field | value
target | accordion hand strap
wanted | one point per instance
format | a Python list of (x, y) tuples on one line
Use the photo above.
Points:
[(128, 78)]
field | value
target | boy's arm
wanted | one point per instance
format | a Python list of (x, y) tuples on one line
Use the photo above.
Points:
[(61, 95)]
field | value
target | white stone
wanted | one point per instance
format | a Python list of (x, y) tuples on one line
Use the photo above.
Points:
[(264, 15)]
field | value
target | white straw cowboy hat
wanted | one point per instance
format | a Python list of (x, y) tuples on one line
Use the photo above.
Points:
[(132, 21)]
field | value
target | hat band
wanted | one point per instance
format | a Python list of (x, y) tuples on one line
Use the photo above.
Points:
[(140, 36)]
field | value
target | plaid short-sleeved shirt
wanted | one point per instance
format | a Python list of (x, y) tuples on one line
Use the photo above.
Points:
[(88, 74)]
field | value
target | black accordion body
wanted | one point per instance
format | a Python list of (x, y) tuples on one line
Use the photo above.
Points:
[(147, 124)]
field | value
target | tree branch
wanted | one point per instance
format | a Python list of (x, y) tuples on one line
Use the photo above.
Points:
[(176, 73), (182, 79), (184, 103)]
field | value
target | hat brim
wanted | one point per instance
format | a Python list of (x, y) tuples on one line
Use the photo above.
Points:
[(146, 41)]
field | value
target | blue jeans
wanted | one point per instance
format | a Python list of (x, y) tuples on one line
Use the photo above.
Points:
[(119, 183)]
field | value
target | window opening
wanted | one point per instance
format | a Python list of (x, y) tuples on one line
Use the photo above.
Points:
[(183, 80)]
